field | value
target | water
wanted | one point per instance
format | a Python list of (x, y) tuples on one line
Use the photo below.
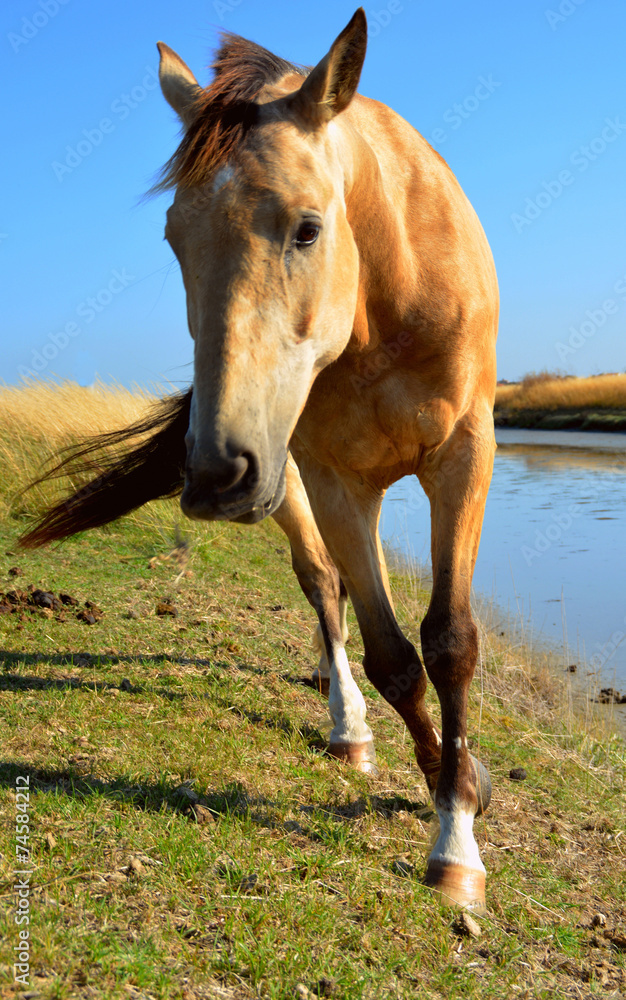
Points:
[(553, 547)]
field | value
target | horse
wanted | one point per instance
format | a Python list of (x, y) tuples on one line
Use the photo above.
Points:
[(343, 305)]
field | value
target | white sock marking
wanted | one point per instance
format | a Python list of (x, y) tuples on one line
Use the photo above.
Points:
[(323, 667), (346, 703), (455, 844)]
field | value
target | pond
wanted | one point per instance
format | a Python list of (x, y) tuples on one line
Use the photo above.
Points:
[(553, 547)]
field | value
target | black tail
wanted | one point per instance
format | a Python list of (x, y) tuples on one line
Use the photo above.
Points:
[(154, 468)]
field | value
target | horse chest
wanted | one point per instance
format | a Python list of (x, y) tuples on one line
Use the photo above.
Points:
[(380, 429)]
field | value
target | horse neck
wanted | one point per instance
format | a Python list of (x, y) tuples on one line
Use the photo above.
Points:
[(387, 269)]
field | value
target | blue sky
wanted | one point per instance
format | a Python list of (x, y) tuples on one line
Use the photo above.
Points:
[(525, 101)]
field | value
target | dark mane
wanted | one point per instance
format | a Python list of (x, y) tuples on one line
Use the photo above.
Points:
[(224, 111)]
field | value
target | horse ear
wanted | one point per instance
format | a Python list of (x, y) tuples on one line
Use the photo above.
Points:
[(179, 85), (330, 87)]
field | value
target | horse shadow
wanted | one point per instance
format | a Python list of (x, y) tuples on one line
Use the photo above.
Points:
[(232, 801), (156, 795)]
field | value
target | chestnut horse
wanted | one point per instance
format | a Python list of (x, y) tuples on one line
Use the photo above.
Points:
[(343, 304)]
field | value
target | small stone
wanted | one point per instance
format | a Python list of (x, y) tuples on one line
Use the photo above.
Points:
[(301, 992), (42, 598), (598, 920), (609, 696), (187, 793), (125, 685), (164, 608), (517, 774), (248, 883), (90, 614), (135, 867), (202, 815), (326, 988), (132, 614), (467, 926)]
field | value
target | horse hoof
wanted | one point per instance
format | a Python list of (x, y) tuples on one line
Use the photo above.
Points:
[(320, 683), (360, 756), (456, 885), (483, 785)]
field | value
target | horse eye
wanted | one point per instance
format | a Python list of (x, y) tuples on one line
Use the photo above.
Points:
[(307, 234)]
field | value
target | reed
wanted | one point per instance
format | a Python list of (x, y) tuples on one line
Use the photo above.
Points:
[(38, 419), (551, 391)]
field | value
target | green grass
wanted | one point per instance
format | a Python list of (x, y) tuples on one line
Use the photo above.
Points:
[(293, 881)]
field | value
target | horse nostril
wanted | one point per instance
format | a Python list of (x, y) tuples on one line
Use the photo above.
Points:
[(234, 470), (252, 472), (220, 481)]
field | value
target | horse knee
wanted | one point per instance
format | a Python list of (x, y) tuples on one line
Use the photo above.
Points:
[(399, 677), (449, 648)]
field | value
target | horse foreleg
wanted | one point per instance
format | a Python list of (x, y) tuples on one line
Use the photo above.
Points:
[(456, 479), (321, 675), (351, 739), (347, 512)]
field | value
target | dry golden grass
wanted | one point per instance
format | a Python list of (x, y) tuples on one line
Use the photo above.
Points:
[(55, 411), (552, 392), (37, 419)]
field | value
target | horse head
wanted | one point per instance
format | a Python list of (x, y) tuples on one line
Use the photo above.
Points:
[(267, 255)]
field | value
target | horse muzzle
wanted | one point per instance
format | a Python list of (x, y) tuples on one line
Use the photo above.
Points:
[(232, 489)]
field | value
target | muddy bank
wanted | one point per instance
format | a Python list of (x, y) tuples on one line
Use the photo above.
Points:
[(563, 419)]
